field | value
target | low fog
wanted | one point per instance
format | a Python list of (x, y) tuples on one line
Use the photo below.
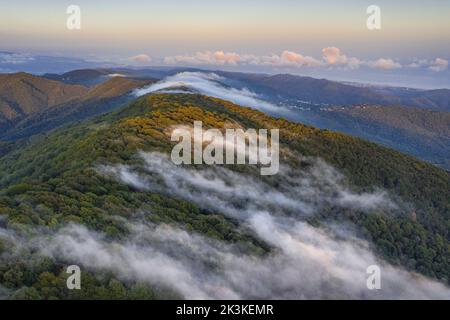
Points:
[(305, 262), (210, 84), (297, 192)]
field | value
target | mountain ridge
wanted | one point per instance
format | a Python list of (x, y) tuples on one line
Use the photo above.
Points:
[(54, 180)]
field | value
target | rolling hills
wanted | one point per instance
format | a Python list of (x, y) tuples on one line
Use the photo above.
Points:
[(84, 77), (35, 104), (22, 94), (422, 133), (323, 91)]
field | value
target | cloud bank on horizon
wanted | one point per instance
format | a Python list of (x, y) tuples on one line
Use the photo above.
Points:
[(333, 64), (331, 57)]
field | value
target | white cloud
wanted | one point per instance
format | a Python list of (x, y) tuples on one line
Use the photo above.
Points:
[(290, 58), (436, 65), (306, 263), (15, 58), (439, 65), (334, 57), (302, 193), (141, 58), (418, 63), (205, 58), (385, 64), (226, 58), (209, 84), (112, 75), (331, 57), (285, 59)]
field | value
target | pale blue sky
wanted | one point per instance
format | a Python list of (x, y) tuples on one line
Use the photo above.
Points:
[(409, 28), (412, 32)]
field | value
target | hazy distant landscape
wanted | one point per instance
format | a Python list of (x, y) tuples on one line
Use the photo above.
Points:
[(416, 122)]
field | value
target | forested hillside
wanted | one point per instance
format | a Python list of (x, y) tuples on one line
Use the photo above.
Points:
[(53, 180), (22, 94), (30, 104), (422, 133)]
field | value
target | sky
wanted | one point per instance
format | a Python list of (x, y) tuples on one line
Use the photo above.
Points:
[(320, 38)]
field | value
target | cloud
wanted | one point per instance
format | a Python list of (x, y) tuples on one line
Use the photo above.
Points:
[(210, 84), (141, 58), (15, 58), (334, 57), (205, 58), (293, 59), (226, 58), (439, 65), (418, 63), (436, 65), (39, 64), (113, 75), (385, 64), (301, 194), (331, 57), (305, 262), (285, 59)]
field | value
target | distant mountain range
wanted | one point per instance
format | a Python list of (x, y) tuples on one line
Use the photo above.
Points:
[(285, 86), (322, 91), (413, 121), (422, 133)]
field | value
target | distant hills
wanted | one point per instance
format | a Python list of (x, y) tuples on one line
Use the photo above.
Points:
[(422, 133), (31, 104), (424, 122), (410, 120), (287, 86), (22, 94), (85, 77), (322, 91)]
